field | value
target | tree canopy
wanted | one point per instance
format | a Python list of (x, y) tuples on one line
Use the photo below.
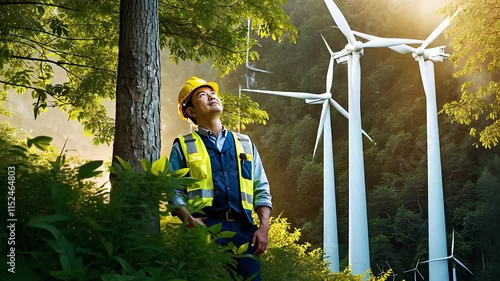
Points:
[(80, 38), (475, 40)]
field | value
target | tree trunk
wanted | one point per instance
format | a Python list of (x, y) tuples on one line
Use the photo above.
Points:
[(137, 127), (137, 130)]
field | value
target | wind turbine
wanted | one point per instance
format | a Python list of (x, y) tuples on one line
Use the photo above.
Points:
[(393, 274), (248, 67), (330, 236), (415, 271), (451, 257), (359, 255), (247, 63), (438, 271)]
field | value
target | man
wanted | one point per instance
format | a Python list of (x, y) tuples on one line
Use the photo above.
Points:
[(232, 180)]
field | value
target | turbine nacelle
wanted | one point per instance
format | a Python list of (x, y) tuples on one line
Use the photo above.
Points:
[(356, 47), (435, 54)]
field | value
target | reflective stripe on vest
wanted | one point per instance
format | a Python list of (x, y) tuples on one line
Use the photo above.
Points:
[(198, 160)]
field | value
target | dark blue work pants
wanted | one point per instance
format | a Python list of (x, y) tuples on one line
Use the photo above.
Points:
[(244, 232)]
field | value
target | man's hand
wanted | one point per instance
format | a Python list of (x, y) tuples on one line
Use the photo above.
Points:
[(184, 216), (261, 235), (261, 238), (193, 221)]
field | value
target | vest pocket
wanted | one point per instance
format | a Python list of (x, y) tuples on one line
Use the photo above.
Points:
[(246, 169), (198, 170)]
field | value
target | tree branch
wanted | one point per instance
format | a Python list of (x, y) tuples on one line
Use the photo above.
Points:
[(24, 86), (52, 34), (61, 64), (36, 3)]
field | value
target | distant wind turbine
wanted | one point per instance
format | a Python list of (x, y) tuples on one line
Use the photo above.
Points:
[(452, 258), (359, 255), (415, 271), (393, 274), (437, 227)]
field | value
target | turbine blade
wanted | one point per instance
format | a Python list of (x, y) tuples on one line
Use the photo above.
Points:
[(298, 95), (365, 36), (441, 27), (258, 69), (404, 49), (340, 20), (327, 46), (452, 242), (462, 265), (339, 108), (438, 259), (329, 73), (420, 274), (314, 101), (427, 76), (324, 112), (329, 76), (389, 42), (366, 135), (344, 112)]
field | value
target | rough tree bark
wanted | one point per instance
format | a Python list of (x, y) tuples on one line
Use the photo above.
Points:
[(137, 129)]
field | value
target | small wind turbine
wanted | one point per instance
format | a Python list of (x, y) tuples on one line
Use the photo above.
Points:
[(247, 63), (381, 270), (330, 236), (248, 67), (415, 271), (393, 274), (453, 258), (359, 255), (437, 227)]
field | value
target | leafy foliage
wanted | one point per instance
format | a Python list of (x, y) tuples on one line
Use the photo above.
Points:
[(79, 39), (475, 41)]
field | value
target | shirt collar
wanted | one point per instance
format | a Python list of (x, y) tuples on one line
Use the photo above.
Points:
[(207, 133)]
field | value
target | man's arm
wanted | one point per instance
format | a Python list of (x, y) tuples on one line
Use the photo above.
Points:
[(177, 162), (262, 203), (261, 236)]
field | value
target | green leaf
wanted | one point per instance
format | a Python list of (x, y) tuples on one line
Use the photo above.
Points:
[(216, 228), (146, 165), (40, 142), (87, 170), (225, 234), (242, 249), (48, 219), (109, 248), (125, 165), (128, 268), (40, 10), (160, 166), (180, 173)]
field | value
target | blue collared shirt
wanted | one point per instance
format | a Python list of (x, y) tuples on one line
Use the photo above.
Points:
[(226, 196)]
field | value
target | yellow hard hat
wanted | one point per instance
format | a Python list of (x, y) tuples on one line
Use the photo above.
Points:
[(188, 88)]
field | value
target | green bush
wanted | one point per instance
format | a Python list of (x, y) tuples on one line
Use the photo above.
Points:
[(68, 228), (287, 259)]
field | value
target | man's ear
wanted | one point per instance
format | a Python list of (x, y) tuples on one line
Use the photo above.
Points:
[(190, 112)]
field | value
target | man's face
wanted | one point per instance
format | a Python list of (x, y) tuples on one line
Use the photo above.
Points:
[(205, 103)]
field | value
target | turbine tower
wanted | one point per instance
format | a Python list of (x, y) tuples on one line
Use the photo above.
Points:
[(359, 255), (438, 270)]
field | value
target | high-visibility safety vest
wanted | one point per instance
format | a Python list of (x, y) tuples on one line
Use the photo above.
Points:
[(198, 162)]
